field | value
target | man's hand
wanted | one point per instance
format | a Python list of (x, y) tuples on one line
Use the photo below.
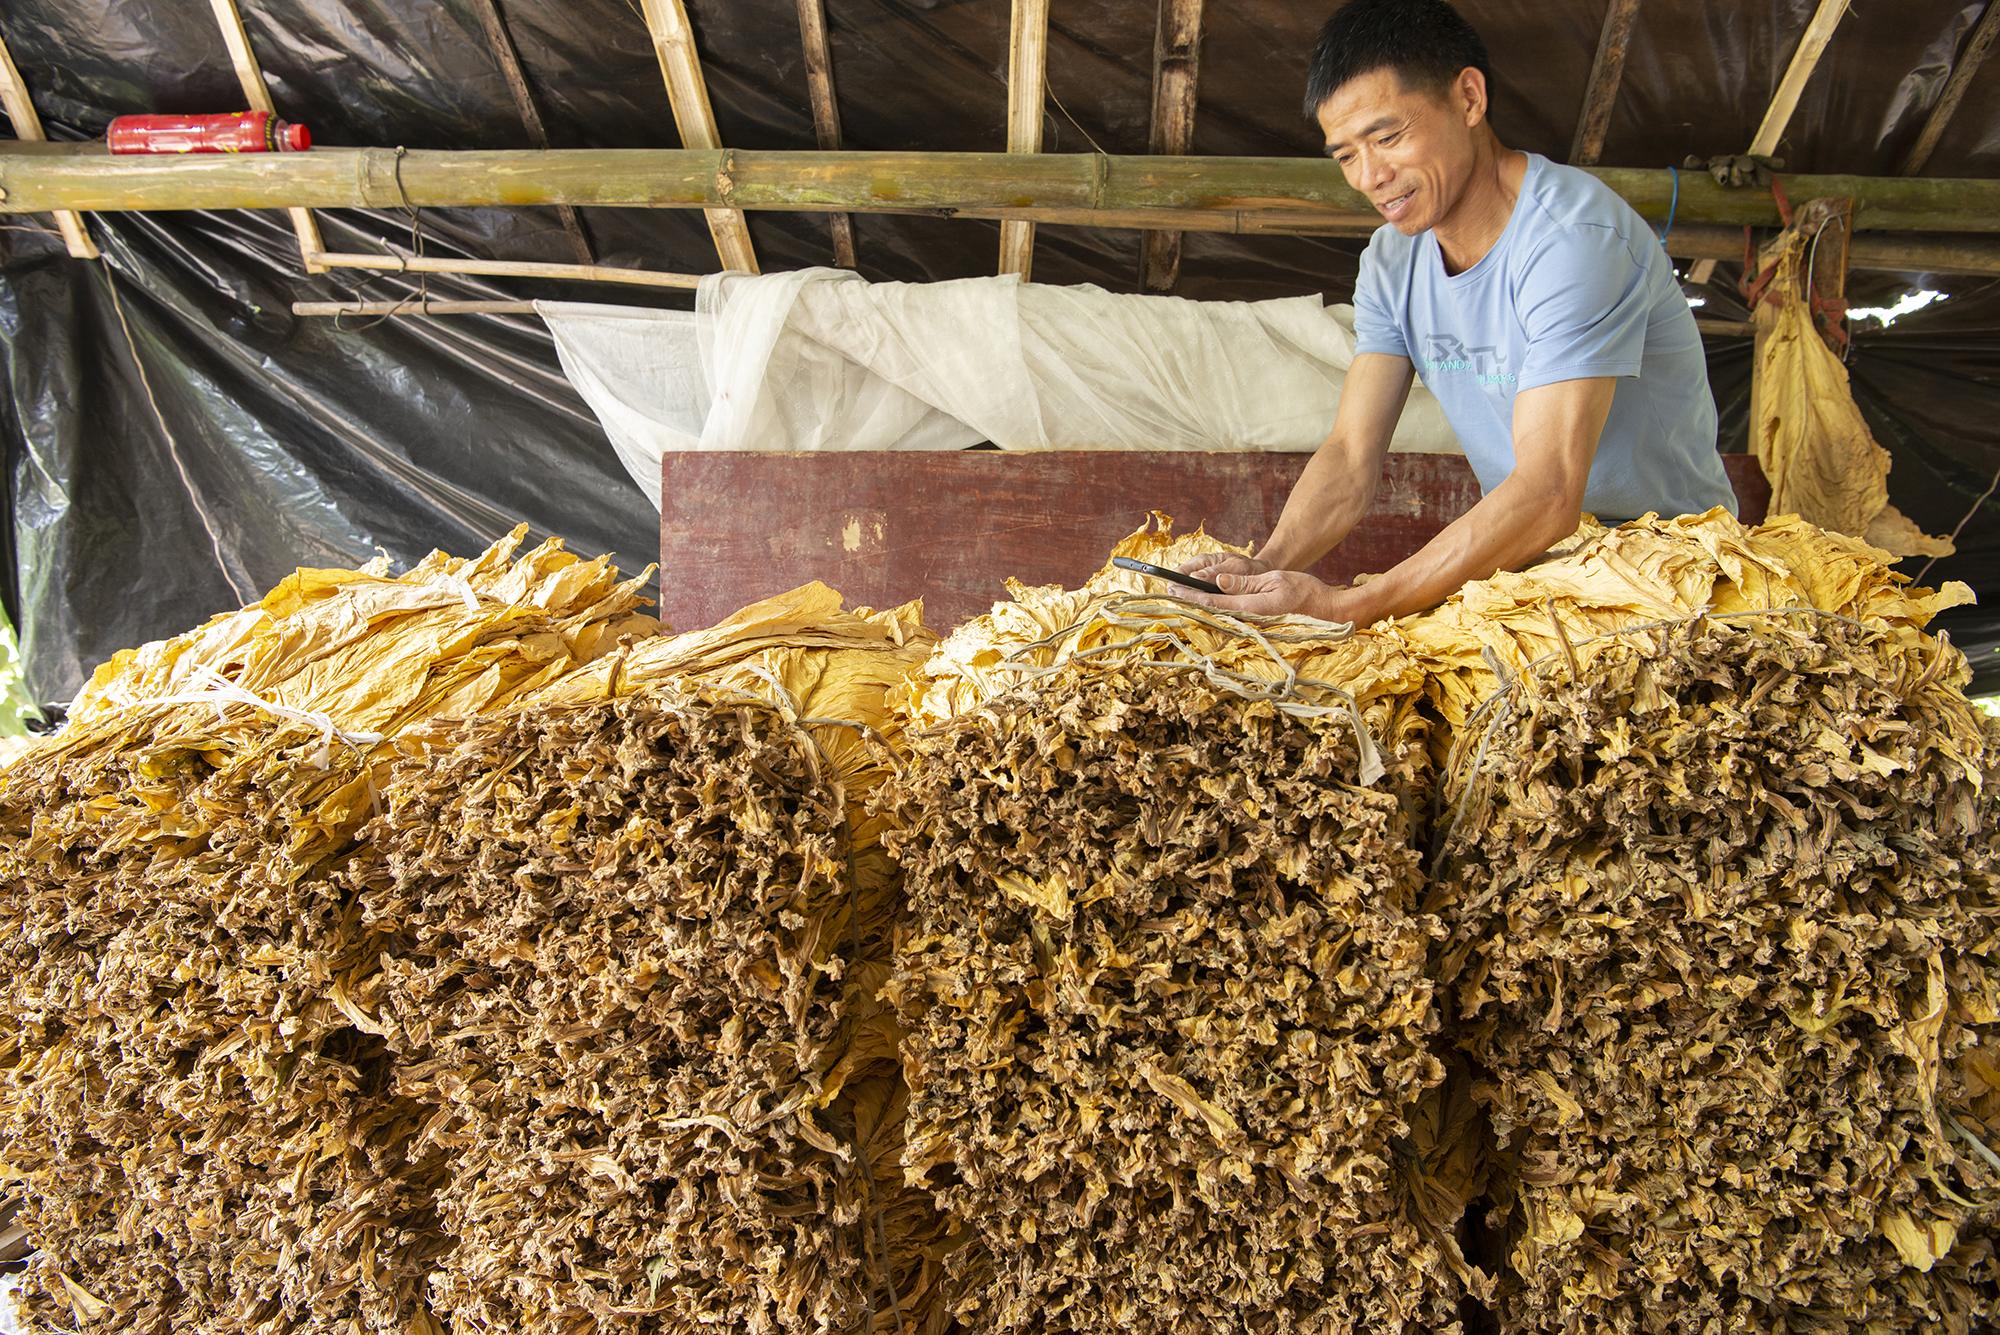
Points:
[(1279, 592), (1210, 564)]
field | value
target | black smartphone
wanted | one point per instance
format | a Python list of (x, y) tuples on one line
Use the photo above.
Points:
[(1161, 572)]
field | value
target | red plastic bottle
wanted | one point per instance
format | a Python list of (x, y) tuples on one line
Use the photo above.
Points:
[(233, 132)]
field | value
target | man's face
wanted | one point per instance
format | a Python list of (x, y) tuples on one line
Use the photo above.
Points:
[(1410, 151)]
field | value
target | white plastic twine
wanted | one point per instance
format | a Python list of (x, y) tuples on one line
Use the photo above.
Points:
[(1150, 617), (216, 689)]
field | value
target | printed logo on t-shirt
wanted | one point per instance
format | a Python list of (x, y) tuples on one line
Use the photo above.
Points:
[(1448, 355)]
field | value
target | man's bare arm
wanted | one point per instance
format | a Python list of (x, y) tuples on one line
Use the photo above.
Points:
[(1556, 429), (1340, 479)]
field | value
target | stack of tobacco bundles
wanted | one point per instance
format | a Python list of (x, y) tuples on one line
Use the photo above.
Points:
[(1170, 1034), (638, 925), (1723, 909), (198, 1115)]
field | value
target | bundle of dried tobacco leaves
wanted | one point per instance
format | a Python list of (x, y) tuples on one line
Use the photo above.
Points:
[(1170, 1032), (199, 1115), (1723, 895), (637, 932)]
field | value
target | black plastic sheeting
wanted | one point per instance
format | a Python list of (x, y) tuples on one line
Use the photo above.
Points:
[(157, 477)]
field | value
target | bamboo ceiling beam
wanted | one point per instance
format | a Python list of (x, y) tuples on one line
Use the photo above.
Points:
[(1176, 73), (1607, 71), (826, 112), (1771, 131), (509, 56), (28, 128), (1146, 191), (258, 94), (687, 93), (1967, 65), (1027, 73)]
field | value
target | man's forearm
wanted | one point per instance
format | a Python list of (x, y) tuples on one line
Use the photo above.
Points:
[(1326, 503), (1511, 526)]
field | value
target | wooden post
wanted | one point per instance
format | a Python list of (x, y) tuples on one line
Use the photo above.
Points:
[(673, 44), (28, 128), (258, 94), (509, 57), (1176, 73), (1027, 71), (1606, 72), (1819, 31), (1968, 63), (826, 112)]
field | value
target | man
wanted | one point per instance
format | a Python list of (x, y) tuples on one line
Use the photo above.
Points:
[(1538, 307)]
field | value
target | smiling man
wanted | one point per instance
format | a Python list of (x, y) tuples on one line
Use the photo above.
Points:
[(1536, 305)]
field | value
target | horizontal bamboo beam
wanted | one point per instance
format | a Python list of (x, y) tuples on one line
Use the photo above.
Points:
[(586, 273), (412, 308), (989, 185)]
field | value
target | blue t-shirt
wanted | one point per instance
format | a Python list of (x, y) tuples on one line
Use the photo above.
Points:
[(1577, 286)]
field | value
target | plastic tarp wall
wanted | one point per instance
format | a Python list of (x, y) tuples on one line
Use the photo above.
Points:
[(821, 359), (292, 440)]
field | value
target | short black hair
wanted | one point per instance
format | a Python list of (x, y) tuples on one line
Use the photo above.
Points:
[(1426, 42)]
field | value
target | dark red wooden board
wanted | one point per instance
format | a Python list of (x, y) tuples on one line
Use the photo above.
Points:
[(950, 525)]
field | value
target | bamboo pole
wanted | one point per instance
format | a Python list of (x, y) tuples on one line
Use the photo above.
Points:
[(1607, 71), (504, 51), (1771, 131), (1955, 88), (1027, 72), (28, 127), (687, 93), (258, 94), (826, 112), (412, 307), (1299, 194), (1176, 74), (587, 273)]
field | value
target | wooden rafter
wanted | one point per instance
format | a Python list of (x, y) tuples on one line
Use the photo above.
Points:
[(1976, 47), (258, 94), (509, 57), (1606, 72), (28, 128), (1176, 73), (826, 112), (687, 92), (1027, 73), (1819, 31)]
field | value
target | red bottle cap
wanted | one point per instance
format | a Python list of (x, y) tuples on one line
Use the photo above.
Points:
[(297, 139)]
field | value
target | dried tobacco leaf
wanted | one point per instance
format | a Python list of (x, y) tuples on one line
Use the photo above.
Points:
[(199, 1114), (637, 934), (1170, 1032), (1722, 898)]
